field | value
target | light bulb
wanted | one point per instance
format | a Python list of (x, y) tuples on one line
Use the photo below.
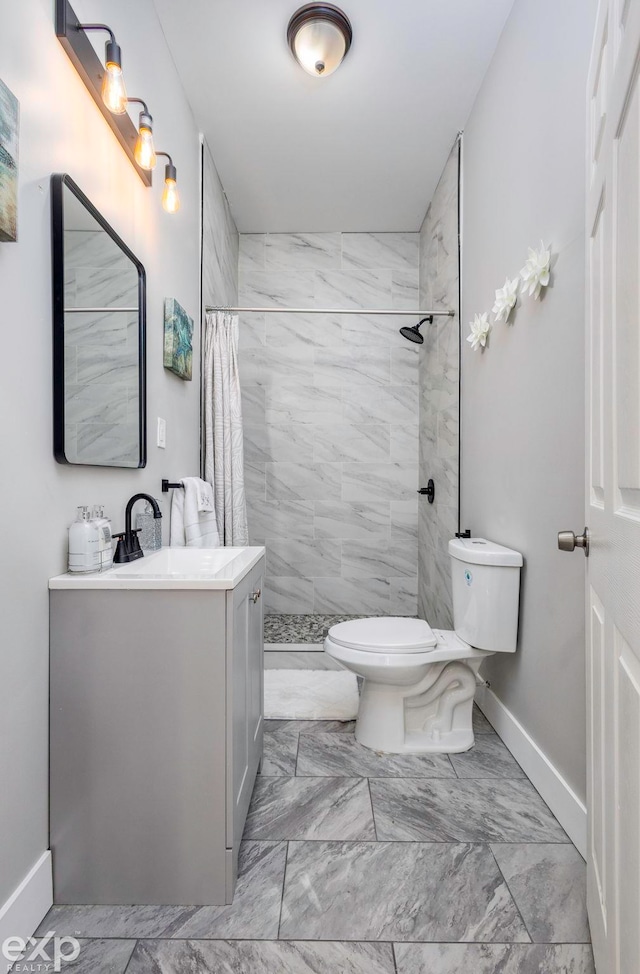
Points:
[(320, 47), (170, 196), (114, 93), (144, 152)]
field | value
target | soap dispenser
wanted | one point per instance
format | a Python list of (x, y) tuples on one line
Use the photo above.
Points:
[(84, 553), (105, 547)]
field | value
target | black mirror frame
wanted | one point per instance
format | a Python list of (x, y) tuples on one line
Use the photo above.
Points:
[(58, 182)]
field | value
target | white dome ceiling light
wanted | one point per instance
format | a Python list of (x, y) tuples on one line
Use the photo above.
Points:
[(319, 36)]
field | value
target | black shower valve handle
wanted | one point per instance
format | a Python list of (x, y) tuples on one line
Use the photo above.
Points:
[(429, 491)]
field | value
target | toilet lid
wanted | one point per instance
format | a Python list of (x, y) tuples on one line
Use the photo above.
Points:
[(384, 635)]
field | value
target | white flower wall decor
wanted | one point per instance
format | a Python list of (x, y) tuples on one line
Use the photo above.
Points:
[(506, 298), (535, 273), (480, 328), (532, 278)]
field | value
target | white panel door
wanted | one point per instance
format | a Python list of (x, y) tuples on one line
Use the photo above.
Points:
[(613, 488)]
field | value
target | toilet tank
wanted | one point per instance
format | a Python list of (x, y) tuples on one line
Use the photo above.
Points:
[(486, 593)]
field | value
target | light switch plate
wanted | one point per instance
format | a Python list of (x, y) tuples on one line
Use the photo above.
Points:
[(162, 433)]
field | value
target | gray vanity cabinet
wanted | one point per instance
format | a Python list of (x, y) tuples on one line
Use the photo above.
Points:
[(245, 691), (156, 738)]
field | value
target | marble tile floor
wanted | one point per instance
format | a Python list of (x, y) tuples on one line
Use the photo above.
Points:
[(360, 863)]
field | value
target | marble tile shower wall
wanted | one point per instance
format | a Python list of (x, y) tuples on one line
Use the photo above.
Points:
[(330, 407), (219, 240), (439, 397)]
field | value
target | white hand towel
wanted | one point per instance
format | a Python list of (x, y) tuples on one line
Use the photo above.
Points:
[(204, 494), (191, 525)]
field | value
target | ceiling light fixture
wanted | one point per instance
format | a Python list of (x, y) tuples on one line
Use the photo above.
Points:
[(319, 36)]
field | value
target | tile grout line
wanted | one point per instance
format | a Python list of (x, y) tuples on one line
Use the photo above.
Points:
[(373, 814), (485, 841), (295, 769), (452, 766), (393, 955), (137, 940), (304, 940), (515, 902), (284, 879)]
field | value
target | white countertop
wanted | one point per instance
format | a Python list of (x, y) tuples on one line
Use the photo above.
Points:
[(185, 568)]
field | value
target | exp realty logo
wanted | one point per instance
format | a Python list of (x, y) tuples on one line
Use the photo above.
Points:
[(39, 955)]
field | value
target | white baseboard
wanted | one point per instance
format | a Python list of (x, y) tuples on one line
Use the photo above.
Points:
[(559, 796), (29, 903)]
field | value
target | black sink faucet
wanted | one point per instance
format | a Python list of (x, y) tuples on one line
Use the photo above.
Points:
[(128, 545)]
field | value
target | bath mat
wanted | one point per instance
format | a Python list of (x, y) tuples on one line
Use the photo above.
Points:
[(310, 695)]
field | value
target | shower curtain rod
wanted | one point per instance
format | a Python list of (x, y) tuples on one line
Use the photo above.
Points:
[(336, 311)]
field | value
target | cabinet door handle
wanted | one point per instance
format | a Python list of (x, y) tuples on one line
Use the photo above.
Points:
[(256, 595)]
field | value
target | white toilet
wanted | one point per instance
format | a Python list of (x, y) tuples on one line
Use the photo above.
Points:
[(419, 683)]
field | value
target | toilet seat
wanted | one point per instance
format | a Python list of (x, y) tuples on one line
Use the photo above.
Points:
[(391, 636)]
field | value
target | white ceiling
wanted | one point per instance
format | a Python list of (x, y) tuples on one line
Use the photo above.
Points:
[(360, 150)]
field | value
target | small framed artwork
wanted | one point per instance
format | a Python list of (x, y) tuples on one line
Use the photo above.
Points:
[(178, 339), (9, 118)]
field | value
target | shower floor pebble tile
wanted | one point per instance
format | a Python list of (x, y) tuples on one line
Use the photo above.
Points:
[(366, 863), (310, 628)]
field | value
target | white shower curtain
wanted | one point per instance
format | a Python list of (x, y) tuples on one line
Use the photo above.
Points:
[(224, 450)]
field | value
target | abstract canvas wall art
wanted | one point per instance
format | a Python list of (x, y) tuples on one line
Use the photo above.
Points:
[(9, 113), (178, 339)]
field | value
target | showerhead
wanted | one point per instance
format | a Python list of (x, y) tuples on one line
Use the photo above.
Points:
[(413, 333)]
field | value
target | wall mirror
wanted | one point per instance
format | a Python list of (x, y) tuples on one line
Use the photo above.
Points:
[(99, 303)]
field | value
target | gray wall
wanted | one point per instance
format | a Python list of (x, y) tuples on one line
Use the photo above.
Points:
[(439, 397), (523, 398), (62, 130), (331, 420)]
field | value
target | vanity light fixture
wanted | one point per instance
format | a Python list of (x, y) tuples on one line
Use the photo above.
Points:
[(144, 151), (170, 195), (104, 83), (106, 86), (319, 35)]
